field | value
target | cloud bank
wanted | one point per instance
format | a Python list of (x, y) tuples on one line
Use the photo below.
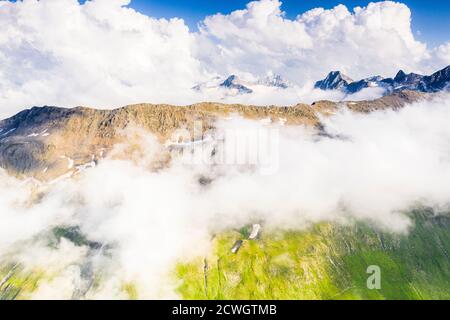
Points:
[(105, 54), (359, 43), (146, 221)]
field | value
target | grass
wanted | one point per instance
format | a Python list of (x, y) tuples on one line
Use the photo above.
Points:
[(325, 262), (15, 283)]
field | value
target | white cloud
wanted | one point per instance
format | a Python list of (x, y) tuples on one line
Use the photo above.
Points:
[(442, 53), (361, 43), (105, 54), (58, 52)]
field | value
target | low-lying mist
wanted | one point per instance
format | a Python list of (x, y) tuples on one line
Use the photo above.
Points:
[(136, 223)]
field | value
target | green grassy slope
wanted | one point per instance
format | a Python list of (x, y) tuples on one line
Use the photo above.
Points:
[(325, 262)]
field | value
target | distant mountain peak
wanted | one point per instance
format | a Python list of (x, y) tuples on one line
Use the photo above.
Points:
[(334, 80), (233, 82), (274, 81), (400, 76), (232, 79), (236, 85), (341, 75)]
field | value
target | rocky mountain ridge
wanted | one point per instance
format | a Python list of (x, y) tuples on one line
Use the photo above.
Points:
[(438, 81), (234, 85), (47, 142)]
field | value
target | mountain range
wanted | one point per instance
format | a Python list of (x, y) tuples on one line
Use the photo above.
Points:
[(234, 85), (335, 80), (438, 81)]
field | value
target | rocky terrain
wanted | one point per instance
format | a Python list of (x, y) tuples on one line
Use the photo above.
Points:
[(47, 142)]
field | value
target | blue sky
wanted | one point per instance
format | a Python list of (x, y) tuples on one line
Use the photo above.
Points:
[(431, 18)]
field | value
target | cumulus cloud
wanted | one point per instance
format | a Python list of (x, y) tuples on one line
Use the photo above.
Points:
[(148, 220), (105, 54), (100, 53), (442, 53), (361, 43)]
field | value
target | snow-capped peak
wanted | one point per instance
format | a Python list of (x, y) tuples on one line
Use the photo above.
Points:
[(237, 85), (334, 80), (274, 81)]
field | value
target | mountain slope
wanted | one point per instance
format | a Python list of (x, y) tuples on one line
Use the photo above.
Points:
[(439, 80), (326, 261), (48, 142)]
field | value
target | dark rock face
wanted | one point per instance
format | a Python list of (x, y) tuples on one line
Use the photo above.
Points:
[(408, 81), (232, 82), (334, 80), (438, 81), (401, 76), (34, 119), (22, 146), (21, 156), (364, 83)]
